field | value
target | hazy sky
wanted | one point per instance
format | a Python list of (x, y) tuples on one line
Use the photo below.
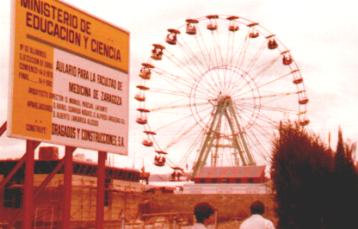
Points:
[(322, 36)]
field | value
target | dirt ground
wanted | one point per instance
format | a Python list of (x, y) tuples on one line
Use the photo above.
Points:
[(231, 208)]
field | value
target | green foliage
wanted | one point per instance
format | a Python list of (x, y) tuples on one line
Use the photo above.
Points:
[(301, 168)]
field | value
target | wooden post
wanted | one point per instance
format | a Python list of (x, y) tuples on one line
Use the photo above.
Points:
[(101, 173), (68, 168), (28, 206)]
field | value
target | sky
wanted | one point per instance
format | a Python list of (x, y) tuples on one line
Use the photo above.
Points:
[(321, 35)]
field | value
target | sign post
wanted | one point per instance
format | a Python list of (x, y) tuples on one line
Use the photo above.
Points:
[(28, 204), (101, 176), (68, 169)]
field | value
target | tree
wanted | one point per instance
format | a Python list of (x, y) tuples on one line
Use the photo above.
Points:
[(301, 168), (344, 188)]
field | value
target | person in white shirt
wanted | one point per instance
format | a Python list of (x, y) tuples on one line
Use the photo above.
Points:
[(256, 220), (204, 214)]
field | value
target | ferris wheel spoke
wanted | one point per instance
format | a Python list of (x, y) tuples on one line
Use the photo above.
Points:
[(220, 81), (192, 57), (205, 90), (258, 136), (240, 83), (226, 82), (230, 47), (236, 51), (171, 106), (265, 67), (247, 108), (264, 108), (211, 86), (169, 92), (228, 78), (278, 109), (210, 46), (217, 50), (173, 77), (245, 90), (241, 104), (229, 50), (201, 41), (177, 120), (265, 96), (209, 55), (215, 84), (190, 70), (253, 139), (181, 88), (243, 51), (194, 74), (171, 123), (205, 45), (263, 117), (284, 96), (207, 87), (279, 77), (208, 84), (237, 85), (247, 119), (255, 58), (262, 129), (211, 50), (179, 92), (266, 119), (181, 136), (205, 112), (192, 147), (238, 63)]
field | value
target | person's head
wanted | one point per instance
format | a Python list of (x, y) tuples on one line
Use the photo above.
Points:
[(257, 207), (203, 211)]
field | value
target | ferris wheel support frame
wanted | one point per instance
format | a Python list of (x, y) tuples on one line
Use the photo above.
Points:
[(241, 153)]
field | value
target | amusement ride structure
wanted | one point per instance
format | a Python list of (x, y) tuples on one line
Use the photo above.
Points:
[(214, 93)]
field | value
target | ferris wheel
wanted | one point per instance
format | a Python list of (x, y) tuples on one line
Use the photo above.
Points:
[(213, 92)]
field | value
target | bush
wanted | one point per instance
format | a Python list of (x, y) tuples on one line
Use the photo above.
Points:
[(344, 187), (301, 169)]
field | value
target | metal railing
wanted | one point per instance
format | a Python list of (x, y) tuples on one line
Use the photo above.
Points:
[(168, 220)]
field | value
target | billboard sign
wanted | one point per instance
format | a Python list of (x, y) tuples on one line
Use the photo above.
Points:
[(69, 77)]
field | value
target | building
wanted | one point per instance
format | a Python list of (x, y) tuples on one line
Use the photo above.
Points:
[(234, 174), (229, 180), (122, 194)]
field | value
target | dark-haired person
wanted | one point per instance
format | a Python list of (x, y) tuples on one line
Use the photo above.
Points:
[(256, 220), (204, 213)]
